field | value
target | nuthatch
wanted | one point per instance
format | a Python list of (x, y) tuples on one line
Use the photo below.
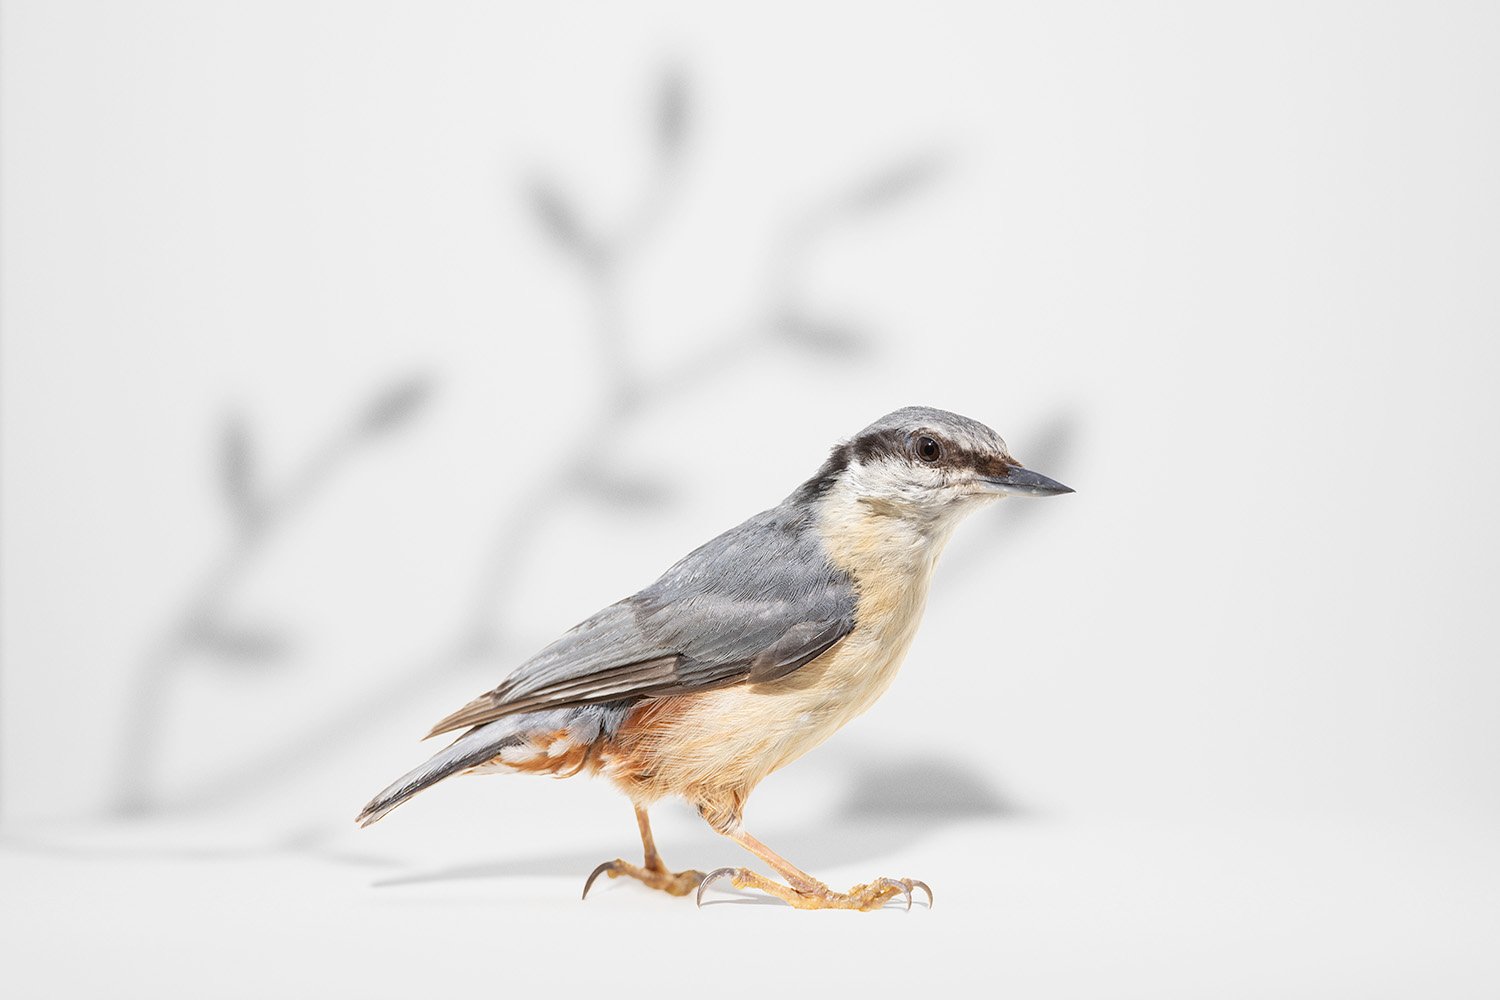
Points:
[(749, 652)]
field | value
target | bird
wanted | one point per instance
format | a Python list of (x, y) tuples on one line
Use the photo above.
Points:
[(747, 653)]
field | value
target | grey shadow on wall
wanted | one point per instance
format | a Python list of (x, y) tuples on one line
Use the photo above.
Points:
[(785, 319), (891, 802)]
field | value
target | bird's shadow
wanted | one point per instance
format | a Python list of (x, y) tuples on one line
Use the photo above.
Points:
[(892, 804)]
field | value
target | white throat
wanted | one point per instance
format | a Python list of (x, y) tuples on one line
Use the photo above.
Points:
[(887, 541)]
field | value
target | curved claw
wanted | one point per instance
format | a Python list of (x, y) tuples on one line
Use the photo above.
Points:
[(716, 873), (914, 883), (903, 884), (608, 866)]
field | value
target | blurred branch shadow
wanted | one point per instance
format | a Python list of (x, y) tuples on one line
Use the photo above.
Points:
[(202, 625), (627, 392)]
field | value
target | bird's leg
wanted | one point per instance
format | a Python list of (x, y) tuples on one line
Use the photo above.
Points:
[(805, 892), (653, 872)]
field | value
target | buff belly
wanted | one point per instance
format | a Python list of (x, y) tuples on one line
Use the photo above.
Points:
[(712, 748)]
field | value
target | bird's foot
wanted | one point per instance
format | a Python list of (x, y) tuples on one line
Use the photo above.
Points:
[(675, 883), (812, 895)]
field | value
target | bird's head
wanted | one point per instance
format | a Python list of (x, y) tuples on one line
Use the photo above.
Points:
[(925, 464)]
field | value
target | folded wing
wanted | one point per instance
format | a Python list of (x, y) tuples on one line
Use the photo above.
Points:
[(752, 605)]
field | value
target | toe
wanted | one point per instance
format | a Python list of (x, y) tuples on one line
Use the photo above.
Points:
[(717, 873), (900, 886), (608, 866)]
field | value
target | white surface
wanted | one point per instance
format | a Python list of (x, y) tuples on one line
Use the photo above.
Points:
[(1026, 908)]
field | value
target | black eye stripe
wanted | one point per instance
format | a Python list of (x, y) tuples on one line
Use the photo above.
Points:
[(880, 444), (894, 443)]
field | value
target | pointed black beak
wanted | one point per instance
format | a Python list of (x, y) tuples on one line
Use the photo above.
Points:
[(1017, 481)]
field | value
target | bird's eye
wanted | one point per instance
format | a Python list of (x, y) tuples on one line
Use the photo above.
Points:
[(928, 450)]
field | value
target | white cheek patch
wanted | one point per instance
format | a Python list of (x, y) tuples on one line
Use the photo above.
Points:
[(894, 479)]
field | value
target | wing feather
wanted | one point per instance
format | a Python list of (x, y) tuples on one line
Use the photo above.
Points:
[(753, 605)]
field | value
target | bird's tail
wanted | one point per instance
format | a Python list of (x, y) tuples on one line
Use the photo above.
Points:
[(548, 742), (478, 746)]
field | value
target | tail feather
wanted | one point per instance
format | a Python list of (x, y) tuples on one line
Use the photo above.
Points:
[(483, 744), (475, 747)]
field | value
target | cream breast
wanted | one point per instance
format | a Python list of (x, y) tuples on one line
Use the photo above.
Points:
[(734, 737)]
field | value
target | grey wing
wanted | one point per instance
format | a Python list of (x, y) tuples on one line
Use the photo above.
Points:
[(752, 605)]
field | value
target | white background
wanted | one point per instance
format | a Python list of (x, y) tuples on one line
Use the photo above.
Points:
[(1222, 723)]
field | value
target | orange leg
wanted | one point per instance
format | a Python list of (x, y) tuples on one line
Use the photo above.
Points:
[(653, 872), (805, 892)]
